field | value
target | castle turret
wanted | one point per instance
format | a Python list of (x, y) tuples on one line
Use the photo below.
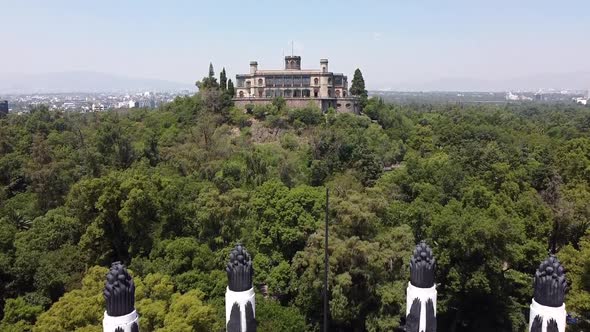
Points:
[(324, 65), (253, 67)]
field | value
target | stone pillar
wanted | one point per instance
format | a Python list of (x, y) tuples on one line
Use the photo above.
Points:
[(548, 308), (421, 292), (119, 294), (239, 297)]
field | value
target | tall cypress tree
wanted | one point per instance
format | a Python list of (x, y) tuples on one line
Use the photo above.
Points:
[(357, 87), (223, 80), (358, 84), (209, 82), (230, 88), (211, 71)]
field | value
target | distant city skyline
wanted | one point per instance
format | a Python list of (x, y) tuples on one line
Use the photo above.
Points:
[(397, 44)]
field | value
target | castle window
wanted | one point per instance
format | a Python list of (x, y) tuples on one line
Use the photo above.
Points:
[(248, 84), (287, 93), (315, 93), (296, 93), (260, 81), (337, 93), (241, 94), (338, 105), (288, 81), (348, 105), (306, 93), (329, 80), (344, 93), (316, 81), (305, 80)]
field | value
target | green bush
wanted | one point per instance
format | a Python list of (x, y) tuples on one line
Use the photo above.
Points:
[(309, 115)]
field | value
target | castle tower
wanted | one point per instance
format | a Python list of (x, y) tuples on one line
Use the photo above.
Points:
[(324, 65), (253, 67), (293, 62)]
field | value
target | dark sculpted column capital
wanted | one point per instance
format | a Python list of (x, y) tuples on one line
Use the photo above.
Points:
[(422, 265), (239, 269), (119, 291), (550, 283)]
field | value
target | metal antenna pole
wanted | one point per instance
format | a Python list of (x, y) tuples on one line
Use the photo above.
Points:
[(326, 265), (553, 248)]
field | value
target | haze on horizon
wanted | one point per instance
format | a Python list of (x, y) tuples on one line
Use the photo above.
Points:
[(396, 44)]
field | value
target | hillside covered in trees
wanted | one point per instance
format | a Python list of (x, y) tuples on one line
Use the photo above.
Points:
[(170, 191)]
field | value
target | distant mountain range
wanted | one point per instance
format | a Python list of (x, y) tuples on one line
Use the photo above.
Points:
[(86, 81), (83, 81), (571, 81)]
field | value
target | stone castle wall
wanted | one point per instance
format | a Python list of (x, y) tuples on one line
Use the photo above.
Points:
[(341, 105), (291, 102)]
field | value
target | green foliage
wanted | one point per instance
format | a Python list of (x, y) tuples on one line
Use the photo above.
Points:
[(170, 191), (80, 308), (280, 103), (357, 88), (209, 82), (578, 275), (160, 307), (19, 315), (223, 80), (238, 118), (271, 316), (211, 71), (310, 115), (231, 91), (188, 313), (262, 111)]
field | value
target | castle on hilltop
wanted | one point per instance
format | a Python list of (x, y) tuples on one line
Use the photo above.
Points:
[(297, 86)]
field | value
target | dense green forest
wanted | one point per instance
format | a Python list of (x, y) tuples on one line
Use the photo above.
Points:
[(170, 191)]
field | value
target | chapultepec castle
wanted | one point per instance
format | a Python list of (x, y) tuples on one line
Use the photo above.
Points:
[(297, 86)]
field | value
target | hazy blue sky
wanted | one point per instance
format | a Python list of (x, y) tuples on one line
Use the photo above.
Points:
[(391, 41)]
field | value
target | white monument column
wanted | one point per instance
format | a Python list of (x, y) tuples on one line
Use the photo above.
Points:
[(240, 307), (421, 291), (548, 306), (119, 294)]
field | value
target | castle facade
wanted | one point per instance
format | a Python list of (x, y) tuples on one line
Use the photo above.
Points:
[(297, 86)]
